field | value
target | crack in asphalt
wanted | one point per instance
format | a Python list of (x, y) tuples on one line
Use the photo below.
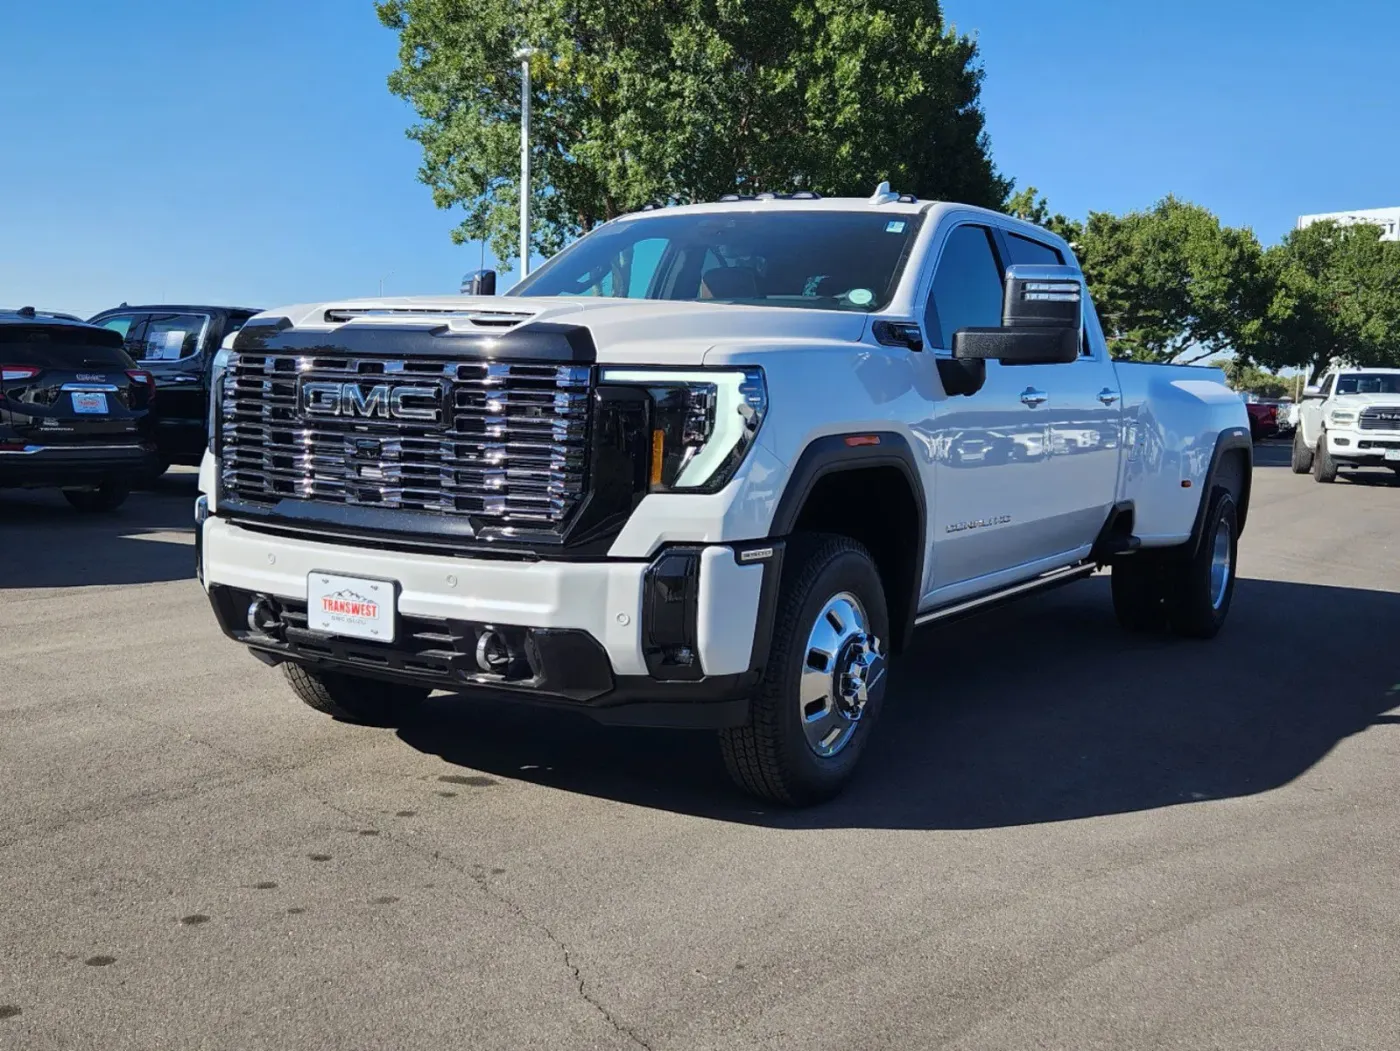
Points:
[(491, 892)]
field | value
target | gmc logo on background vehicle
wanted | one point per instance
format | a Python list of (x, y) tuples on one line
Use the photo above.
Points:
[(379, 401)]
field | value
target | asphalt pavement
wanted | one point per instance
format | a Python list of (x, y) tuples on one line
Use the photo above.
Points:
[(1063, 836)]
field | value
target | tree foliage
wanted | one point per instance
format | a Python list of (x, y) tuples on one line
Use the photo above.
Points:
[(1333, 293), (636, 101), (1172, 281)]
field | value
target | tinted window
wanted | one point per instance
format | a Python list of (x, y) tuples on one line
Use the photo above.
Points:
[(169, 337), (967, 285), (1327, 386), (1369, 383), (129, 327), (1024, 250), (782, 257), (61, 346)]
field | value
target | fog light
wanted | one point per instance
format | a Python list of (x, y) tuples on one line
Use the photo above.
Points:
[(263, 616)]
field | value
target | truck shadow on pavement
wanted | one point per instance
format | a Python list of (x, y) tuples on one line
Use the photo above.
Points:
[(150, 538), (1041, 712)]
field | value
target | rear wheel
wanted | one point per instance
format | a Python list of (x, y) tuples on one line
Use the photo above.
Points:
[(353, 699), (822, 689), (1205, 584), (106, 497), (1324, 468), (1302, 456), (156, 471)]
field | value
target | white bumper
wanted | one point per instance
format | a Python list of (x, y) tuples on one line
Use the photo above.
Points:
[(1369, 447), (602, 598)]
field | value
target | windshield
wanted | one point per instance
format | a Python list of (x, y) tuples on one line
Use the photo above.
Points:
[(1369, 383), (799, 258)]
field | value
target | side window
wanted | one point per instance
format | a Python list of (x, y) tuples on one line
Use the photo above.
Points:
[(170, 337), (966, 287), (1024, 250), (1327, 385), (130, 327)]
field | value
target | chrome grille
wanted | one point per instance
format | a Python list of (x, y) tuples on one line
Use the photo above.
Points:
[(508, 447), (1381, 418)]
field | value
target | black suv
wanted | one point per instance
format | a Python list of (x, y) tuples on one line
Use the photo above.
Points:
[(176, 344), (75, 411)]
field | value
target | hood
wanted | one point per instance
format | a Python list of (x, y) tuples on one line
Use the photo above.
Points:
[(625, 331)]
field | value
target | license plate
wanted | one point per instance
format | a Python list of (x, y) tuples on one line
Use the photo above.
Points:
[(90, 402), (1392, 454), (351, 606)]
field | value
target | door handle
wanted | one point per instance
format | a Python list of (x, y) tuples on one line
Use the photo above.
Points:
[(1032, 397), (1108, 396)]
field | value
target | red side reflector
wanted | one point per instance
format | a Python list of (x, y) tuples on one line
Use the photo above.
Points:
[(863, 439), (1186, 483)]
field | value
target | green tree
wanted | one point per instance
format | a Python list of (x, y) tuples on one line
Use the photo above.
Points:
[(1334, 293), (1244, 375), (1029, 205), (1173, 282), (637, 102)]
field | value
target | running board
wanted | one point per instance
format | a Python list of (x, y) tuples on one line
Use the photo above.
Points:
[(982, 603)]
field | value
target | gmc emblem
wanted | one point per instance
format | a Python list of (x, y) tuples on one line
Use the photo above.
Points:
[(379, 401)]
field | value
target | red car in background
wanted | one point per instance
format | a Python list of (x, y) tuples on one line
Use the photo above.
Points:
[(1263, 419)]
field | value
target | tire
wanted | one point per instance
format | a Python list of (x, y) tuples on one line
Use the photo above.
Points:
[(779, 756), (106, 497), (1141, 585), (1302, 456), (1204, 583), (353, 699), (1324, 468), (156, 472)]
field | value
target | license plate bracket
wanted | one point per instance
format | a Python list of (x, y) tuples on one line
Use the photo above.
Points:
[(89, 402), (1392, 454), (353, 607)]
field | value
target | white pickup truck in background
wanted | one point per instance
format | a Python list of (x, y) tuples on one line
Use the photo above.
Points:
[(1350, 419), (711, 467)]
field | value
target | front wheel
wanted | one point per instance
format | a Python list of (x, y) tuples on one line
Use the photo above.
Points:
[(1302, 456), (106, 497), (824, 680), (352, 699), (1324, 468)]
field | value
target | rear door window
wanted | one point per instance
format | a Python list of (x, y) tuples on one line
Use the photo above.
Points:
[(62, 347), (170, 337), (1024, 250)]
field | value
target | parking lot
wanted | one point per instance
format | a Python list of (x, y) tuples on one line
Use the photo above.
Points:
[(1064, 836)]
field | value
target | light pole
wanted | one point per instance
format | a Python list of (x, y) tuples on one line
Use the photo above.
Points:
[(524, 54), (381, 283)]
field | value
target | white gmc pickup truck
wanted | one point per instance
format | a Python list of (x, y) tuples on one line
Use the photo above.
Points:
[(1350, 419), (711, 467)]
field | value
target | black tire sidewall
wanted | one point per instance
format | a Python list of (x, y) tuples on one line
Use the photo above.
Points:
[(1192, 612), (819, 777)]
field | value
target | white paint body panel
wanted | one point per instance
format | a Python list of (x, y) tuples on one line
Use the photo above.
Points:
[(1105, 433), (1315, 420)]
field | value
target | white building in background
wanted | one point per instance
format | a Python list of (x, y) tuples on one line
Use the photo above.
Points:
[(1388, 219)]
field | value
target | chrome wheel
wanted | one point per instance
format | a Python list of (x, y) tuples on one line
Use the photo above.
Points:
[(1220, 565), (841, 667)]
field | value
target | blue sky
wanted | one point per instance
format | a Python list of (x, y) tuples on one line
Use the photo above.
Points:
[(246, 151)]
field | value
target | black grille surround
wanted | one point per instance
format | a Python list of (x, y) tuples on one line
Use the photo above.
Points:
[(1380, 418)]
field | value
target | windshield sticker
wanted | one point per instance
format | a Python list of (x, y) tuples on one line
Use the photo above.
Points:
[(895, 226), (861, 296)]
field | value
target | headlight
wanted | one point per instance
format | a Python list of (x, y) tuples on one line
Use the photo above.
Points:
[(702, 423), (217, 369), (1339, 416)]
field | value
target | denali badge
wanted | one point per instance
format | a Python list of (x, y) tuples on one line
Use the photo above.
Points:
[(379, 401)]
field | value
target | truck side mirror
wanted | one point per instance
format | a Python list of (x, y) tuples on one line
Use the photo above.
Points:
[(479, 283), (1311, 392), (1042, 320)]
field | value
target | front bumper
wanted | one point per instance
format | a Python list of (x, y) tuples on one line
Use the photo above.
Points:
[(675, 641), (79, 463), (1369, 448)]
